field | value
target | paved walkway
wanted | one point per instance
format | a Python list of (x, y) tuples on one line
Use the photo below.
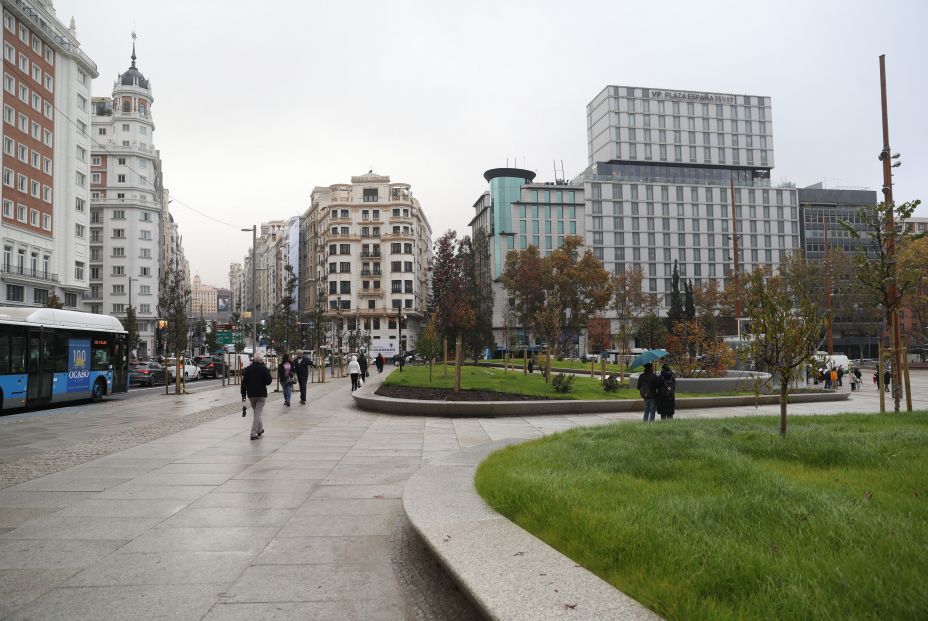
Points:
[(206, 524)]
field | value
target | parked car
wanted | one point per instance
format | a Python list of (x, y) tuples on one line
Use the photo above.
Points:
[(191, 371), (146, 373), (210, 366)]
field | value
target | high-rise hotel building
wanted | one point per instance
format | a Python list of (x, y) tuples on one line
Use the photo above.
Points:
[(657, 186), (46, 157)]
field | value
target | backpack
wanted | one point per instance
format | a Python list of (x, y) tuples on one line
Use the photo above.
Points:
[(665, 389)]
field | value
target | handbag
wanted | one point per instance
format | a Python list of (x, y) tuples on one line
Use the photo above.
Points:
[(291, 380)]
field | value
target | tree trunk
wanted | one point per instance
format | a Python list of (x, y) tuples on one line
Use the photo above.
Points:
[(444, 345), (458, 358), (525, 361), (784, 387), (602, 367), (547, 367)]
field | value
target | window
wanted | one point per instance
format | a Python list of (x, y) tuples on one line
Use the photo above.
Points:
[(145, 308), (145, 271), (370, 195), (101, 131), (15, 293), (117, 309), (40, 296), (46, 222), (78, 270), (119, 233), (81, 179), (79, 230), (119, 252), (70, 300), (145, 290), (145, 234), (7, 208), (34, 217), (119, 214), (120, 178)]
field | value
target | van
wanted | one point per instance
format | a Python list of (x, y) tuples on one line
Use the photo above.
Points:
[(833, 361)]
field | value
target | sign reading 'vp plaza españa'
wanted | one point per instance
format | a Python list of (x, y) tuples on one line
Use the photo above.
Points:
[(690, 96)]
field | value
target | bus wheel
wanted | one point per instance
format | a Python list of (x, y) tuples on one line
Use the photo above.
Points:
[(99, 389)]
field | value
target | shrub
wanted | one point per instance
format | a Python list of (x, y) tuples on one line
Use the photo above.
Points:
[(563, 382), (611, 384)]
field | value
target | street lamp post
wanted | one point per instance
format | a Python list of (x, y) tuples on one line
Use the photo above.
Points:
[(399, 336), (254, 285)]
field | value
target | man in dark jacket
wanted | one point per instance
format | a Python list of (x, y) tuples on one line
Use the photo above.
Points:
[(302, 372), (646, 386), (255, 381), (362, 361)]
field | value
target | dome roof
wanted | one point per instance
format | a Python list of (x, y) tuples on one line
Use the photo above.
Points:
[(132, 76)]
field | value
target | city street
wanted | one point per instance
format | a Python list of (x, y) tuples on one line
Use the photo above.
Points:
[(146, 516)]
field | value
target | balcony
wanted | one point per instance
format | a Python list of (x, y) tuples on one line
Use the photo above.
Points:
[(16, 273), (398, 236), (376, 273), (370, 235), (370, 293), (368, 254)]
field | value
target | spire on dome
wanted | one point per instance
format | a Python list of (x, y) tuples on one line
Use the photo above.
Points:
[(133, 49)]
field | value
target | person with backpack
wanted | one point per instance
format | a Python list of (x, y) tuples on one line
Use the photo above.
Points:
[(646, 384), (666, 392)]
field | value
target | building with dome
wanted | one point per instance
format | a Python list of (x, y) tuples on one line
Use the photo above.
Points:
[(365, 258), (128, 207)]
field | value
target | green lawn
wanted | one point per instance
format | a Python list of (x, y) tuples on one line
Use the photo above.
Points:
[(562, 364), (499, 380), (723, 519)]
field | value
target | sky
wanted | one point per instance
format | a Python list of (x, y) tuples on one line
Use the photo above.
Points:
[(257, 103)]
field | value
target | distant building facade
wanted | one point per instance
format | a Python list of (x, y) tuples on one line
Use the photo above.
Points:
[(204, 299)]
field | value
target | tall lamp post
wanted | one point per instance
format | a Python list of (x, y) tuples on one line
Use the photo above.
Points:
[(399, 336), (254, 285)]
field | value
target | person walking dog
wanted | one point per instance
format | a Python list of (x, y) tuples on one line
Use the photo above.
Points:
[(255, 381)]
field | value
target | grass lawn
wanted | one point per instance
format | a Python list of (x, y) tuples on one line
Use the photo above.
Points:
[(499, 380), (722, 519), (611, 367)]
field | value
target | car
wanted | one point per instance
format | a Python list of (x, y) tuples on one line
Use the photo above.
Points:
[(146, 373), (210, 366), (191, 371)]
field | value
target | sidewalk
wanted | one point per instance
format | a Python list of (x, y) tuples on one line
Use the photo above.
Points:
[(206, 524)]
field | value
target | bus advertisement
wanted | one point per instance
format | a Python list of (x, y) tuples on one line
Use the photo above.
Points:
[(51, 356)]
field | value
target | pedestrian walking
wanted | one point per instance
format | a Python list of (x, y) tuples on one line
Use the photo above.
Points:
[(857, 375), (531, 365), (827, 374), (646, 385), (354, 370), (303, 363), (841, 376), (853, 380), (285, 377), (887, 378), (255, 380), (362, 362), (379, 362), (665, 392)]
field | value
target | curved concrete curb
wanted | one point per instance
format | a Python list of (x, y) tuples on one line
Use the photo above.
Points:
[(507, 572), (366, 399)]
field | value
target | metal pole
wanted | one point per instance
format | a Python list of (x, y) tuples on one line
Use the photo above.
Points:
[(735, 253), (399, 336), (831, 348), (254, 289), (892, 311)]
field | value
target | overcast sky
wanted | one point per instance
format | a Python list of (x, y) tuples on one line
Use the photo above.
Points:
[(257, 103)]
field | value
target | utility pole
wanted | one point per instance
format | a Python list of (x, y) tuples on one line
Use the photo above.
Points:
[(830, 319), (891, 312), (735, 252)]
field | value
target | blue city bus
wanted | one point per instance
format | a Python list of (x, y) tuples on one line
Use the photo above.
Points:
[(51, 356)]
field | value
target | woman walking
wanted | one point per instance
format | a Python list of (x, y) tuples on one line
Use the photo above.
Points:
[(666, 392), (379, 362), (283, 375), (354, 370)]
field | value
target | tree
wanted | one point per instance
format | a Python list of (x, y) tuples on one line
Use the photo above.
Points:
[(675, 312), (199, 332), (630, 304), (212, 339), (454, 313), (522, 280), (474, 257), (689, 305), (53, 301), (785, 328), (429, 344), (877, 272), (912, 261), (706, 303), (282, 325), (173, 300), (696, 353), (132, 330), (651, 332)]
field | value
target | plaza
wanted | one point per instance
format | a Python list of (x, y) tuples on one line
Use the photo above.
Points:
[(155, 517)]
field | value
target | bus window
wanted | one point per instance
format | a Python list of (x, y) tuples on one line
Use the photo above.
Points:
[(35, 352), (61, 352), (4, 352), (17, 353), (100, 358), (48, 351)]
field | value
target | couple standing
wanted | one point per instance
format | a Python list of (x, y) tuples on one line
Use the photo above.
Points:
[(658, 391)]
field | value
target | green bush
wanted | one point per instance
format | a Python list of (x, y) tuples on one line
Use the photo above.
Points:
[(563, 382), (611, 384)]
